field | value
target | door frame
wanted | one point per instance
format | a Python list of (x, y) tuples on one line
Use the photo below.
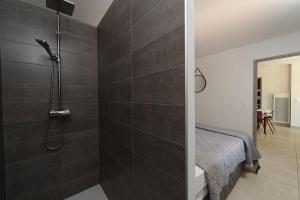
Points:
[(255, 64), (190, 99)]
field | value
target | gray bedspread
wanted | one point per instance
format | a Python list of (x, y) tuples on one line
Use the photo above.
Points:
[(218, 153), (252, 153)]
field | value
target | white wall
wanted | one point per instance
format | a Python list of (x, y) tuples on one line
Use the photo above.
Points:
[(228, 100), (276, 79), (295, 99)]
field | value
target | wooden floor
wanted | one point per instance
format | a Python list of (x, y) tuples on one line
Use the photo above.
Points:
[(279, 177)]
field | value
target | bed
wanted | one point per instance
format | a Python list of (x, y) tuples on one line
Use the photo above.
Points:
[(201, 190), (222, 154)]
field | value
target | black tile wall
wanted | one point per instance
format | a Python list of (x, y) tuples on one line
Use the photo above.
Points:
[(140, 8), (34, 179), (33, 172), (163, 18), (2, 158), (164, 87), (164, 121), (141, 100), (164, 154), (153, 183), (166, 52)]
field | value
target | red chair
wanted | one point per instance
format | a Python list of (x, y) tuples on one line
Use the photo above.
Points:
[(270, 123), (260, 119)]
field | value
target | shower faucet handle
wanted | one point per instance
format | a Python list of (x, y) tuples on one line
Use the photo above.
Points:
[(60, 113)]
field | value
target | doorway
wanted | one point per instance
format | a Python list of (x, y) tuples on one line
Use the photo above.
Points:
[(275, 91)]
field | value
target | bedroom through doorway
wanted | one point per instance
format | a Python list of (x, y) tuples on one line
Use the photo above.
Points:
[(276, 120)]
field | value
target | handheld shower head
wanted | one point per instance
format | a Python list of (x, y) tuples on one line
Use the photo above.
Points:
[(46, 46)]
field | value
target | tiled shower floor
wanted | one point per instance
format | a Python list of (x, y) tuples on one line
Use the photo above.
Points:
[(94, 193)]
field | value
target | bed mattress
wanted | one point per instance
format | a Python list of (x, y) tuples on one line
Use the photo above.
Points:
[(218, 155)]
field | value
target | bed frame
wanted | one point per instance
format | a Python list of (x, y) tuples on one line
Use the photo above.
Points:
[(233, 178)]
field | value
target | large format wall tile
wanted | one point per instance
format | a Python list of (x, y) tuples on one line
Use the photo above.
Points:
[(120, 48), (2, 153), (29, 15), (32, 171), (121, 112), (117, 21), (168, 156), (26, 180), (78, 61), (165, 17), (24, 112), (25, 73), (22, 53), (140, 8), (121, 91), (120, 69), (152, 182), (80, 184), (14, 31), (116, 180), (141, 79), (23, 131), (162, 120), (27, 150), (25, 92), (78, 29), (166, 87), (79, 160), (163, 53)]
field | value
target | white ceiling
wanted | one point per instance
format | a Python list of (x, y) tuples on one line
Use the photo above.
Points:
[(87, 11), (227, 24)]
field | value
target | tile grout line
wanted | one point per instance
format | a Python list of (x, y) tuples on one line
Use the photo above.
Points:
[(67, 67), (164, 68), (35, 45), (158, 169), (146, 13)]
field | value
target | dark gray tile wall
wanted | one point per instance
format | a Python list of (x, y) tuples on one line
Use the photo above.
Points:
[(2, 159), (32, 172), (141, 108)]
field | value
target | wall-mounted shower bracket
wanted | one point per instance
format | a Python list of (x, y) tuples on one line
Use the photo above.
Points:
[(55, 58), (60, 113)]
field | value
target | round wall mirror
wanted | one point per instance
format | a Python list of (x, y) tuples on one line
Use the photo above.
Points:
[(200, 81)]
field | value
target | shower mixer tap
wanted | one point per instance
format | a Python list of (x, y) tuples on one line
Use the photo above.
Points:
[(60, 113)]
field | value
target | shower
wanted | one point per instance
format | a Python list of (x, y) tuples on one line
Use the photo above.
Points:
[(46, 46), (65, 7)]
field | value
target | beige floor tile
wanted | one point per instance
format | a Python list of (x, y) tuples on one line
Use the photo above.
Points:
[(257, 187), (281, 173), (279, 176)]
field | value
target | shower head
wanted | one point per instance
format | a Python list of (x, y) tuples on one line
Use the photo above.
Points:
[(64, 6), (46, 46)]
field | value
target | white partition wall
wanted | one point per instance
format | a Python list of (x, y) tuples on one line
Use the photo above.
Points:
[(190, 97), (295, 98)]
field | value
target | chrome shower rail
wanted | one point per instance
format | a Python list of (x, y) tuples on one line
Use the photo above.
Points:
[(60, 113)]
